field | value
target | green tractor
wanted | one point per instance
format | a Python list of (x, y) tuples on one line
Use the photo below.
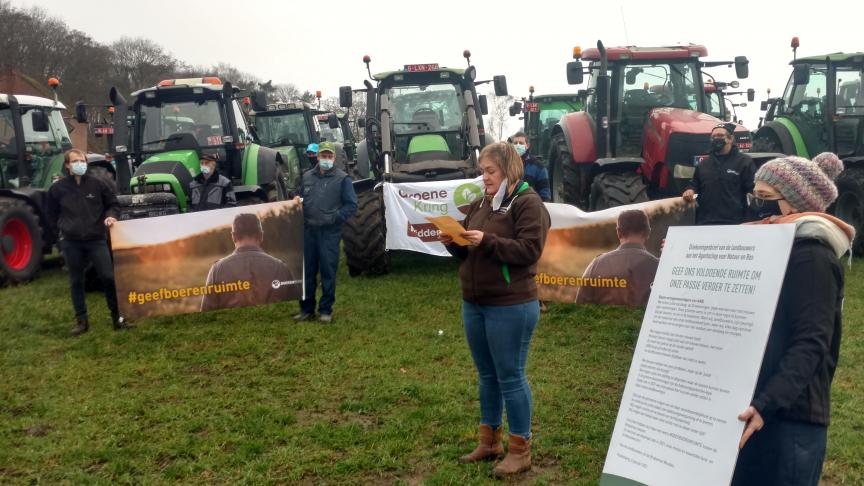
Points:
[(168, 126), (423, 123), (822, 109), (33, 138), (290, 127), (541, 113)]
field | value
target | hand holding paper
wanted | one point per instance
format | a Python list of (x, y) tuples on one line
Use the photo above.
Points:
[(451, 228)]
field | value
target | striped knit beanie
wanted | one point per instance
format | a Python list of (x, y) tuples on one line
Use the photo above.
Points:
[(806, 185)]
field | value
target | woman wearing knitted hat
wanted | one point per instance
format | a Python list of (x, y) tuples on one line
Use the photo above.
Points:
[(787, 422)]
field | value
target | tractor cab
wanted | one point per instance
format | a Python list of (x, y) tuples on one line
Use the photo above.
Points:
[(540, 115), (813, 117), (719, 101), (33, 138), (645, 126), (175, 122), (424, 122)]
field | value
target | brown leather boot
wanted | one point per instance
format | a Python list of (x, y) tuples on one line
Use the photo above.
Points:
[(489, 448), (82, 327), (518, 457)]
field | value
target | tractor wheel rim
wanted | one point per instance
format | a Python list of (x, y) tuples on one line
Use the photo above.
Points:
[(22, 251)]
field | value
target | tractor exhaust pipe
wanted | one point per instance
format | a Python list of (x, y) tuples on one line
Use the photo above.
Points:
[(603, 89), (118, 142)]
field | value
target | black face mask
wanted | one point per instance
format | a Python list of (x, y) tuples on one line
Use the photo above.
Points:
[(765, 209), (717, 144)]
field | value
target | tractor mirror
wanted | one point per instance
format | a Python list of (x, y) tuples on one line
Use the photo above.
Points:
[(801, 74), (346, 98), (500, 83), (484, 105), (515, 108), (259, 101), (361, 122), (742, 67), (574, 72), (80, 112), (751, 95), (39, 120), (763, 106), (630, 77), (333, 121)]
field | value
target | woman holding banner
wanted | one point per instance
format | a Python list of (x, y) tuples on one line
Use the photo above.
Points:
[(787, 421), (507, 230)]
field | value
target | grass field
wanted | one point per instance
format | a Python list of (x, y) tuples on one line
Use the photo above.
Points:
[(250, 397)]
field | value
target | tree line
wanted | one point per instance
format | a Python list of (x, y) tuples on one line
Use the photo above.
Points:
[(38, 45)]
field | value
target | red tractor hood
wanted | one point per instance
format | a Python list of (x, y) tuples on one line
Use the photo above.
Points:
[(678, 120)]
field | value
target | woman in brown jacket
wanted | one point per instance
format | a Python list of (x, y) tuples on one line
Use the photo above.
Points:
[(507, 229)]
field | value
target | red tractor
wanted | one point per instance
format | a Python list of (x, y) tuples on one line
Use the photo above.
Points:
[(644, 127)]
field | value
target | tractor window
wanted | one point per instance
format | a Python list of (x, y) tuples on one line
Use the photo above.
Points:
[(429, 108), (201, 119), (49, 142), (850, 99), (7, 132), (331, 134), (659, 85), (714, 105), (240, 119), (282, 130), (806, 100)]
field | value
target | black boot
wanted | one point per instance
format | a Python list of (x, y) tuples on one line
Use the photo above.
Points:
[(82, 327), (120, 323)]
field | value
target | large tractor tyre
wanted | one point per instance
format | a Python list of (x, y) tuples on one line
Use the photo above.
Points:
[(850, 203), (565, 179), (767, 143), (365, 237), (611, 189), (20, 241)]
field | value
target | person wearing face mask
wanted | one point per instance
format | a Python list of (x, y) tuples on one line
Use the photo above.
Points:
[(312, 154), (722, 181), (80, 207), (786, 429), (507, 229), (328, 201), (535, 174), (210, 189)]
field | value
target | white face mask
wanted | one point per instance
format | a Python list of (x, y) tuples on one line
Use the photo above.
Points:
[(498, 198), (205, 169), (325, 164), (79, 168)]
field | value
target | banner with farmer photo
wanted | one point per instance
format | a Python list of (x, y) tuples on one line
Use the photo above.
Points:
[(193, 262), (408, 205), (577, 237)]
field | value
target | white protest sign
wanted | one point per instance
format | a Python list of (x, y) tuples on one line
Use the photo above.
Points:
[(407, 205), (698, 355)]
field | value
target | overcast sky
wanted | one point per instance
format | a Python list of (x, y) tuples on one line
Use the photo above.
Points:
[(319, 45)]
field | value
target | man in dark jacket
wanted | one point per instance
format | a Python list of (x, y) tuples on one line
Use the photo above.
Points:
[(81, 206), (210, 189), (328, 201), (722, 181), (622, 276), (535, 174), (249, 276)]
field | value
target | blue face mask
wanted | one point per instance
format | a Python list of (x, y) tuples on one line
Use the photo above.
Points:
[(79, 168), (325, 164), (521, 148)]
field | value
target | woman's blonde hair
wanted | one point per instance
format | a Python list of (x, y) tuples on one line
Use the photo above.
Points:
[(507, 158), (67, 157)]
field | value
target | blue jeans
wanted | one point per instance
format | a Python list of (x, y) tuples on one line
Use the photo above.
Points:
[(320, 251), (77, 254), (499, 337), (784, 452)]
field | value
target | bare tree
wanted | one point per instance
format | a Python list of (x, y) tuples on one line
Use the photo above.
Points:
[(499, 114), (139, 62), (355, 112)]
